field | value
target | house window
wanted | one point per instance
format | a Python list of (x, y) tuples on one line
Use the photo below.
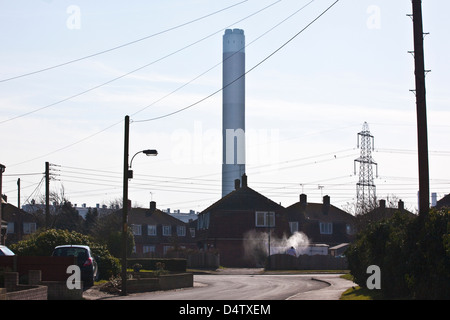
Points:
[(148, 249), (265, 219), (167, 230), (136, 229), (151, 230), (10, 228), (192, 231), (166, 249), (181, 231), (203, 221), (29, 227), (293, 226), (326, 228)]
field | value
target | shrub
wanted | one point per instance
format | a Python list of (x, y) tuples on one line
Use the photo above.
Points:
[(43, 243), (413, 255)]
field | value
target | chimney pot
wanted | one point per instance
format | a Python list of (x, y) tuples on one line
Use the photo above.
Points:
[(244, 180), (326, 204), (152, 206), (382, 203), (401, 205), (237, 184)]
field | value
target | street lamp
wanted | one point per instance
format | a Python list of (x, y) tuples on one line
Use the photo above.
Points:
[(2, 170), (127, 174)]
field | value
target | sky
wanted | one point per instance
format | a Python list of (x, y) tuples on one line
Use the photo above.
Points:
[(70, 71)]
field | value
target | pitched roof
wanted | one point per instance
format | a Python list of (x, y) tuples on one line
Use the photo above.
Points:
[(444, 202), (318, 211), (244, 198), (148, 216)]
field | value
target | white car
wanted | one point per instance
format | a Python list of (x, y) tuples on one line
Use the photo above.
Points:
[(5, 251)]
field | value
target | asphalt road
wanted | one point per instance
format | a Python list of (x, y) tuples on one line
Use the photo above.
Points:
[(253, 286)]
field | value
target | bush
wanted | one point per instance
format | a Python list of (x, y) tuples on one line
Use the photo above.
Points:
[(43, 243), (412, 253), (172, 265)]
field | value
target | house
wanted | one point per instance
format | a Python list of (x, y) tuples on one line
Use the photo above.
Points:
[(444, 202), (19, 223), (381, 213), (237, 226), (322, 223), (156, 232)]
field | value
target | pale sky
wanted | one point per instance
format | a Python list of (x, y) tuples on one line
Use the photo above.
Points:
[(305, 104)]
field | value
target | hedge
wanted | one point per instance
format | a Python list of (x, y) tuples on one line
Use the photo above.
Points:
[(172, 264)]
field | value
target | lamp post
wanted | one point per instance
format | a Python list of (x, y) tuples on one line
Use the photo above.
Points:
[(127, 174), (2, 169)]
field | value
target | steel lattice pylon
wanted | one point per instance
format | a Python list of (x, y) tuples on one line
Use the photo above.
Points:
[(365, 188)]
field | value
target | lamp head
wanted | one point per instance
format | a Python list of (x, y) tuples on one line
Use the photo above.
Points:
[(150, 152)]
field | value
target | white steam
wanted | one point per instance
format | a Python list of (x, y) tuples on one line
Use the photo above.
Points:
[(256, 245)]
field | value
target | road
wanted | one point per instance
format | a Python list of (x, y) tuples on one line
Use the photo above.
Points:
[(253, 286)]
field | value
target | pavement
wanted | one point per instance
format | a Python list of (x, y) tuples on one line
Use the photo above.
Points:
[(336, 287)]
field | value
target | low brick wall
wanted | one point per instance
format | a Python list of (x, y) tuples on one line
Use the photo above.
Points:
[(15, 291), (57, 290), (165, 282)]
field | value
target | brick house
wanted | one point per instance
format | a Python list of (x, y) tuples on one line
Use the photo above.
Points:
[(237, 219), (19, 223), (322, 223), (444, 202), (381, 213), (156, 232)]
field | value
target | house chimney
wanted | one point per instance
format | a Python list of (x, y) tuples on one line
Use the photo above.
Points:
[(401, 205), (326, 204), (382, 204), (244, 180), (152, 206), (237, 184), (303, 199)]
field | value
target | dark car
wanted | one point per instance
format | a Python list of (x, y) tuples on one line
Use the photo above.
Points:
[(85, 260), (5, 251)]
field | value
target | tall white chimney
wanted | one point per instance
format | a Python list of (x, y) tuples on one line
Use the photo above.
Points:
[(233, 108)]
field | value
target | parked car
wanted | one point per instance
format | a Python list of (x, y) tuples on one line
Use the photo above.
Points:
[(5, 251), (85, 260)]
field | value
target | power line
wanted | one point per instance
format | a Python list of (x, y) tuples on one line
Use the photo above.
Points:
[(122, 45), (250, 70), (133, 71)]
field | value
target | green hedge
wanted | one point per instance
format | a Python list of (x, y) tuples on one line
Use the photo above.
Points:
[(413, 255), (172, 264), (42, 244)]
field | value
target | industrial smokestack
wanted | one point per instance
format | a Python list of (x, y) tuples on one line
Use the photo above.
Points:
[(233, 108)]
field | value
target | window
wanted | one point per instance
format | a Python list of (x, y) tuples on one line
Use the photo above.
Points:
[(326, 228), (148, 249), (29, 227), (137, 229), (167, 230), (192, 231), (293, 226), (181, 231), (203, 221), (151, 230), (10, 228), (265, 219)]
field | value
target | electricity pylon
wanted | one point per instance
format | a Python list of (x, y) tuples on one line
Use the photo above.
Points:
[(365, 188)]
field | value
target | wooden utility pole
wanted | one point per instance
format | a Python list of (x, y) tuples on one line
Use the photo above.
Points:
[(125, 206), (47, 195), (422, 135)]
